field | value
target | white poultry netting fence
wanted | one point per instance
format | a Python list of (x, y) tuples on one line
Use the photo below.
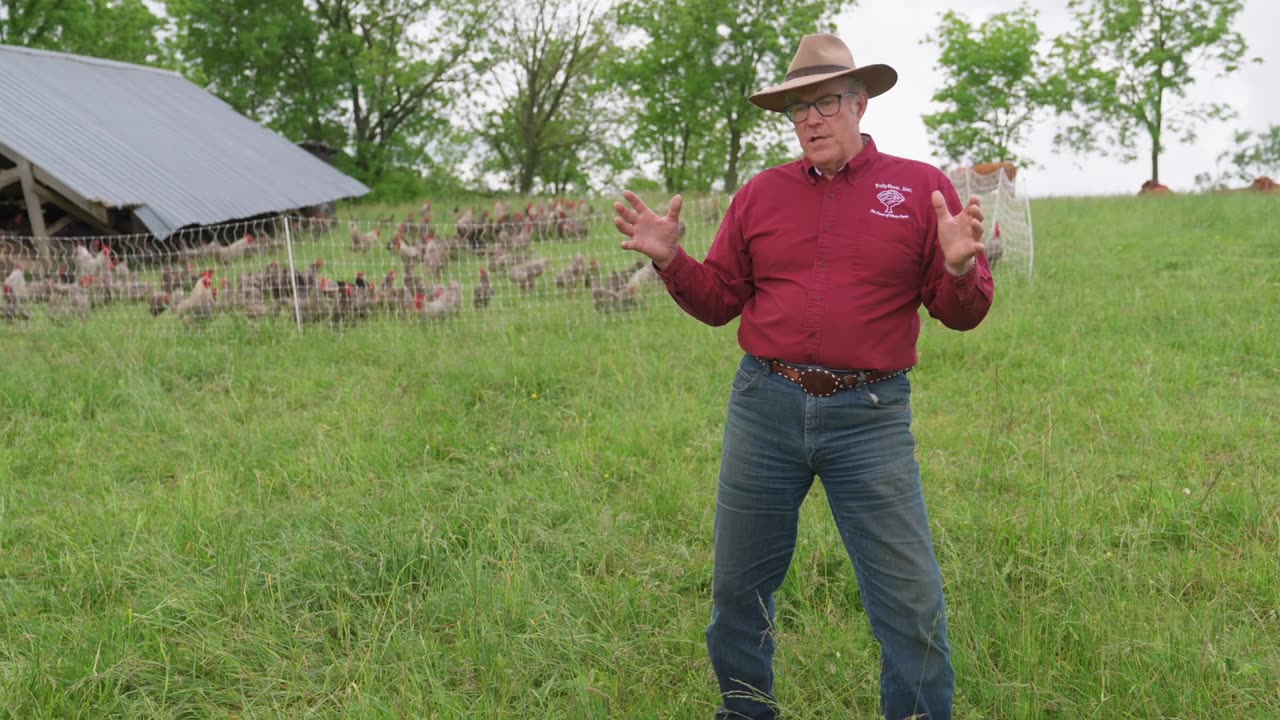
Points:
[(556, 261), (1009, 238), (561, 263)]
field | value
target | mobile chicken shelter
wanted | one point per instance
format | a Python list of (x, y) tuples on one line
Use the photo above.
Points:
[(116, 148)]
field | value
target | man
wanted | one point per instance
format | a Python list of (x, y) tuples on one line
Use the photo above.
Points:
[(827, 260)]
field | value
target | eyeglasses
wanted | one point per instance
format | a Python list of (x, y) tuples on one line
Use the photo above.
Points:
[(827, 106)]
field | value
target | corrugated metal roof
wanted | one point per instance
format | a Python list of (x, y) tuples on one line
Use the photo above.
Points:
[(130, 136)]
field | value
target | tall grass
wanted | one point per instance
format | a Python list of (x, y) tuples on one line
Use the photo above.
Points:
[(514, 519)]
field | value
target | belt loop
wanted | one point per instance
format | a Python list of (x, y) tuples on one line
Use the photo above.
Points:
[(862, 380)]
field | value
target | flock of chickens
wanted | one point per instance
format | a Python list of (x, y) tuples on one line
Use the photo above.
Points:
[(497, 249)]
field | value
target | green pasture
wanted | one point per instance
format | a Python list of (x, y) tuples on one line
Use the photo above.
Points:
[(509, 516)]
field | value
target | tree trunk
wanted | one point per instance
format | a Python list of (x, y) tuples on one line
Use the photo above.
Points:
[(684, 158), (529, 170), (735, 154)]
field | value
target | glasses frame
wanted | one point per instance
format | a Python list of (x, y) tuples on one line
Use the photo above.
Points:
[(793, 108)]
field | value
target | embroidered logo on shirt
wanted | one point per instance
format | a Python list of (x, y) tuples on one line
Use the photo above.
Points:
[(891, 197)]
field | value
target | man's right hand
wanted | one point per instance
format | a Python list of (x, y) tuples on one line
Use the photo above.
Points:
[(655, 235)]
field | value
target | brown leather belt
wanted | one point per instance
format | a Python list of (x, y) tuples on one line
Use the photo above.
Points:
[(820, 382)]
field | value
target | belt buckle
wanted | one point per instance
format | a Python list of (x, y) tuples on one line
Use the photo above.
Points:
[(818, 382)]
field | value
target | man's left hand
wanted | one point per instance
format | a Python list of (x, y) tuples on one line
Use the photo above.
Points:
[(959, 236)]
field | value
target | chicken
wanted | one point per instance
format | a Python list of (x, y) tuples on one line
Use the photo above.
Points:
[(606, 300), (201, 303), (133, 290), (159, 303), (646, 274), (88, 263), (234, 251), (447, 301), (409, 254), (68, 301), (994, 247), (500, 260), (172, 278), (362, 242), (468, 230), (17, 284), (350, 305), (435, 257), (526, 274), (569, 277), (11, 309), (593, 278), (483, 292)]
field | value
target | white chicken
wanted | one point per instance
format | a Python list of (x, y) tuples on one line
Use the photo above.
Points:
[(201, 302)]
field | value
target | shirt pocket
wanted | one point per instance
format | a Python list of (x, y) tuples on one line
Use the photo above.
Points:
[(890, 259)]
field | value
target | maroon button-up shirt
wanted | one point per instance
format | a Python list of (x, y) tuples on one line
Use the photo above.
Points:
[(833, 273)]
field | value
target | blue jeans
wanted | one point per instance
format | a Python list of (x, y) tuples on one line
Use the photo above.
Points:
[(776, 439)]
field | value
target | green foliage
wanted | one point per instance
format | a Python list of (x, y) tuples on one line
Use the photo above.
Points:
[(360, 76), (1253, 155), (555, 115), (1126, 58), (689, 66), (123, 30), (993, 87), (256, 55)]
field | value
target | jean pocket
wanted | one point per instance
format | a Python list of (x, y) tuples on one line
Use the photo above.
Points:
[(748, 376), (890, 394)]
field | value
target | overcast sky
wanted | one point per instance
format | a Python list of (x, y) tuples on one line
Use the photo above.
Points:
[(890, 31)]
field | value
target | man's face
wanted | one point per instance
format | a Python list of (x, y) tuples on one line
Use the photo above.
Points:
[(830, 141)]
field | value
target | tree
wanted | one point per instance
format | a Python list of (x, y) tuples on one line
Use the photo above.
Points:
[(402, 67), (993, 89), (254, 55), (1255, 155), (1126, 57), (549, 121), (757, 41), (669, 87), (123, 30), (693, 66), (380, 79)]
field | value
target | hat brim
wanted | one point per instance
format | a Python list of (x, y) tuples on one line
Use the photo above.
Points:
[(878, 79)]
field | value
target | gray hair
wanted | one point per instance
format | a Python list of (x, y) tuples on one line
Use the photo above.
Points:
[(856, 85)]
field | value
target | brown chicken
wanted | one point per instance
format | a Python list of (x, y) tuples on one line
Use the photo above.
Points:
[(526, 274), (483, 293)]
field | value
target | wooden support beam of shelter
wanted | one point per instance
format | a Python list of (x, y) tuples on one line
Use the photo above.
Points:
[(97, 220), (40, 187), (40, 236), (10, 176), (60, 225)]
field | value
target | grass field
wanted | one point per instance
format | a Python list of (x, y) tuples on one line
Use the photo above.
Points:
[(514, 519)]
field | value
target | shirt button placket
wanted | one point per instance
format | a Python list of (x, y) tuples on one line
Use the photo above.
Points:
[(814, 310)]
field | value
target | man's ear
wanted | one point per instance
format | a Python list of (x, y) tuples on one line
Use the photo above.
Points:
[(862, 105)]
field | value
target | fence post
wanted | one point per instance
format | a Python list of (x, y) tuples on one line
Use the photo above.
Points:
[(293, 275), (1031, 233)]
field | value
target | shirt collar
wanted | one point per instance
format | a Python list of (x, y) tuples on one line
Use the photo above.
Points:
[(852, 169)]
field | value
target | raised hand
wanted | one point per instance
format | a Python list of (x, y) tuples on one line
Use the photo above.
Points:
[(650, 233), (959, 236)]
